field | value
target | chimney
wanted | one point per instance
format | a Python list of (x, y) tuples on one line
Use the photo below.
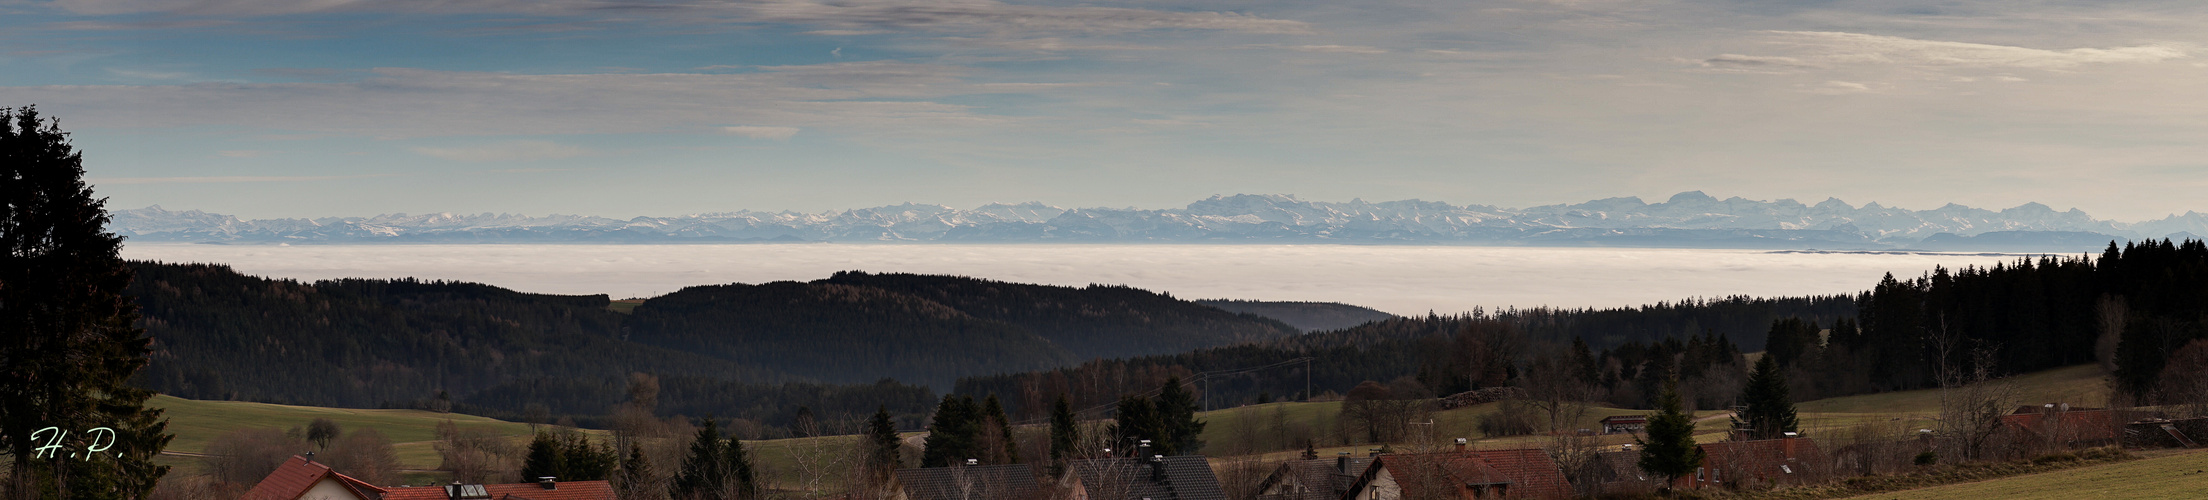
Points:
[(1142, 448), (1157, 468), (548, 482), (1789, 444), (1460, 444), (1341, 462)]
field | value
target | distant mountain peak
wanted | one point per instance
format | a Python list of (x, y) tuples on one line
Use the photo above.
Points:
[(1687, 219)]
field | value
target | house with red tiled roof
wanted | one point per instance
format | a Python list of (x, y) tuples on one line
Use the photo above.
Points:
[(1462, 474), (2061, 426), (1792, 460), (542, 490), (303, 479)]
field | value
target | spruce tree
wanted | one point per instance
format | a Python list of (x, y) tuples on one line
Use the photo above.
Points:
[(583, 461), (1001, 426), (1182, 432), (546, 458), (740, 470), (704, 472), (882, 446), (1065, 435), (1669, 450), (1770, 411), (1136, 420), (68, 346), (952, 433), (635, 479)]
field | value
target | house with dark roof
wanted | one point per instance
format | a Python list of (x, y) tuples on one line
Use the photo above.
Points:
[(1317, 479), (1155, 478), (303, 479), (1792, 460), (968, 482), (1462, 474), (546, 489)]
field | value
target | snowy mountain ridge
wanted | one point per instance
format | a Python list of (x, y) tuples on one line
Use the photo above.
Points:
[(1690, 219)]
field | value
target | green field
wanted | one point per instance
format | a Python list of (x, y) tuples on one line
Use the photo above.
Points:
[(2078, 385), (2174, 476), (411, 432)]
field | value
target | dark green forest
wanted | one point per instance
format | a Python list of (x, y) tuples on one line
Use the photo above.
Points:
[(839, 346), (2130, 308)]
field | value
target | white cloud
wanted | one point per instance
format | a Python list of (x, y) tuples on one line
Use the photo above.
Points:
[(759, 132), (506, 151), (1835, 87), (851, 17), (1858, 48), (222, 179), (1338, 49), (399, 102)]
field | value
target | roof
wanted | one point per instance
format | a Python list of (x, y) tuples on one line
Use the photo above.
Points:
[(1764, 458), (1527, 472), (972, 482), (1625, 418), (2070, 426), (1322, 479), (298, 475), (563, 490), (1169, 478), (1625, 467)]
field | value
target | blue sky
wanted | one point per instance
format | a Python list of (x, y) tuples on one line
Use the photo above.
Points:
[(342, 107)]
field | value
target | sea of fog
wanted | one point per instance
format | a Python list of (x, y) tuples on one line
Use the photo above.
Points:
[(1396, 279)]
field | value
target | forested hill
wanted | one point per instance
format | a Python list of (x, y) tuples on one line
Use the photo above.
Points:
[(856, 327), (718, 349), (1445, 353), (1309, 316)]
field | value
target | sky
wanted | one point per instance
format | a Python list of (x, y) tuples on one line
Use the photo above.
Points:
[(264, 108)]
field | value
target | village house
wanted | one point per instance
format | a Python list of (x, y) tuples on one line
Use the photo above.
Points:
[(301, 478), (1462, 474), (1316, 479), (968, 482), (2059, 425), (1155, 478), (1622, 424), (1786, 461)]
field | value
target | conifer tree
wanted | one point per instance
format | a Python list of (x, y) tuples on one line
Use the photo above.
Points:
[(740, 470), (1770, 411), (546, 458), (584, 461), (635, 479), (705, 471), (1065, 435), (1669, 450), (1182, 432), (68, 346), (1001, 426), (881, 447), (952, 433), (1136, 420)]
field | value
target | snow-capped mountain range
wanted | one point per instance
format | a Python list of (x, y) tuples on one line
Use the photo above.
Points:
[(1690, 219)]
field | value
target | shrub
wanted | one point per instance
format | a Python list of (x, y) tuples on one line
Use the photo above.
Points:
[(1928, 458), (1511, 418)]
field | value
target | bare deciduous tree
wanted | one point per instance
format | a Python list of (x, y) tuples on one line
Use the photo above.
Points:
[(244, 456), (363, 454)]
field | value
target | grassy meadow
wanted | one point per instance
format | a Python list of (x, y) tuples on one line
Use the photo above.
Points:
[(2176, 475)]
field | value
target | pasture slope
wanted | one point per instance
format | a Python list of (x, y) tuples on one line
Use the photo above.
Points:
[(2170, 476)]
